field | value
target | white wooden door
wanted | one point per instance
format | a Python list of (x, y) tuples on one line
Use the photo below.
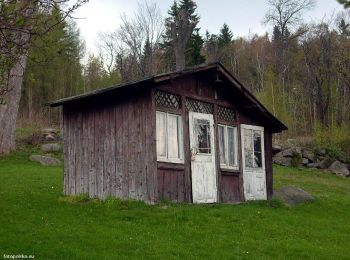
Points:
[(204, 187), (254, 175)]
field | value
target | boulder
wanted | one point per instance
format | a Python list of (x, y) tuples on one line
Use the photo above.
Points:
[(292, 195), (284, 161), (291, 141), (287, 153), (321, 152), (50, 137), (44, 160), (276, 148), (339, 169), (49, 131), (304, 161), (54, 147), (325, 163), (313, 165), (308, 155)]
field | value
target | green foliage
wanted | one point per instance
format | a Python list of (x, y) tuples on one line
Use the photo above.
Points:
[(296, 160), (51, 226), (195, 45), (225, 37), (346, 3), (53, 68), (335, 139)]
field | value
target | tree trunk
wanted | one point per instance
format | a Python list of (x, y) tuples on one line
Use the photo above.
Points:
[(8, 112), (180, 58)]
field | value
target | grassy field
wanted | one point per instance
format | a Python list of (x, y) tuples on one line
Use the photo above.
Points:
[(35, 219)]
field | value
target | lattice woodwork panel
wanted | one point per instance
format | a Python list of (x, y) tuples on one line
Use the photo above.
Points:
[(199, 106), (167, 100), (226, 114)]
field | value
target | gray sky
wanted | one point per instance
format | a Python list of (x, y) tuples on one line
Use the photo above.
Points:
[(242, 16)]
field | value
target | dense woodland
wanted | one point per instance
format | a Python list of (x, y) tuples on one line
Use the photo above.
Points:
[(299, 70)]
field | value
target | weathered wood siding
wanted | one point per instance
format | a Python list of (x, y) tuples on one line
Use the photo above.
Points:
[(198, 87), (230, 189), (109, 149), (230, 185)]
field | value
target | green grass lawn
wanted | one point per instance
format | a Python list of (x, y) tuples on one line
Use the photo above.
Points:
[(36, 219)]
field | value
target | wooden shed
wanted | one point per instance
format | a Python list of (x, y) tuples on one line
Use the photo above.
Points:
[(196, 136)]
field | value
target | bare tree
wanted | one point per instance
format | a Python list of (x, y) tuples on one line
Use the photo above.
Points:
[(285, 15), (318, 47), (20, 22), (136, 37)]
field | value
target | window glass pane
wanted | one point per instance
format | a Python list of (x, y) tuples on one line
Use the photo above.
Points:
[(257, 149), (248, 148), (222, 145), (202, 132), (173, 136), (231, 146), (161, 134)]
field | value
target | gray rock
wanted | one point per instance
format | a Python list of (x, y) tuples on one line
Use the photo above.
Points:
[(313, 165), (276, 148), (49, 130), (291, 141), (292, 195), (287, 153), (50, 137), (325, 163), (51, 147), (284, 161), (308, 155), (321, 152), (305, 161), (339, 169), (44, 160)]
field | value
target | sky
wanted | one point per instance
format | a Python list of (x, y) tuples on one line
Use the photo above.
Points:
[(242, 16)]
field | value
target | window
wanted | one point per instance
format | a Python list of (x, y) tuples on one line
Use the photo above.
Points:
[(169, 137), (228, 147), (202, 132), (252, 149)]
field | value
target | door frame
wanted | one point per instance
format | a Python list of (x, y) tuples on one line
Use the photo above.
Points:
[(244, 172), (210, 117)]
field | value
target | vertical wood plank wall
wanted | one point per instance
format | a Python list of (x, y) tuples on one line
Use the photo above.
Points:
[(109, 150)]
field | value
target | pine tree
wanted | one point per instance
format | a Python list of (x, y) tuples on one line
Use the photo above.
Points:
[(195, 46), (180, 36), (225, 36)]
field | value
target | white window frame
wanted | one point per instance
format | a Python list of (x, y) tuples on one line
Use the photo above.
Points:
[(180, 144), (235, 147)]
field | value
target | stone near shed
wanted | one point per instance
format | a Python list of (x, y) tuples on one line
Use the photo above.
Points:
[(304, 161), (325, 163), (313, 165), (321, 152), (276, 149), (291, 141), (51, 147), (44, 160), (339, 169), (284, 161), (287, 153), (49, 131), (50, 138), (308, 155), (292, 195)]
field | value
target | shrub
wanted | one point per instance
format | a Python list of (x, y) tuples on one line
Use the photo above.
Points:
[(296, 160)]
